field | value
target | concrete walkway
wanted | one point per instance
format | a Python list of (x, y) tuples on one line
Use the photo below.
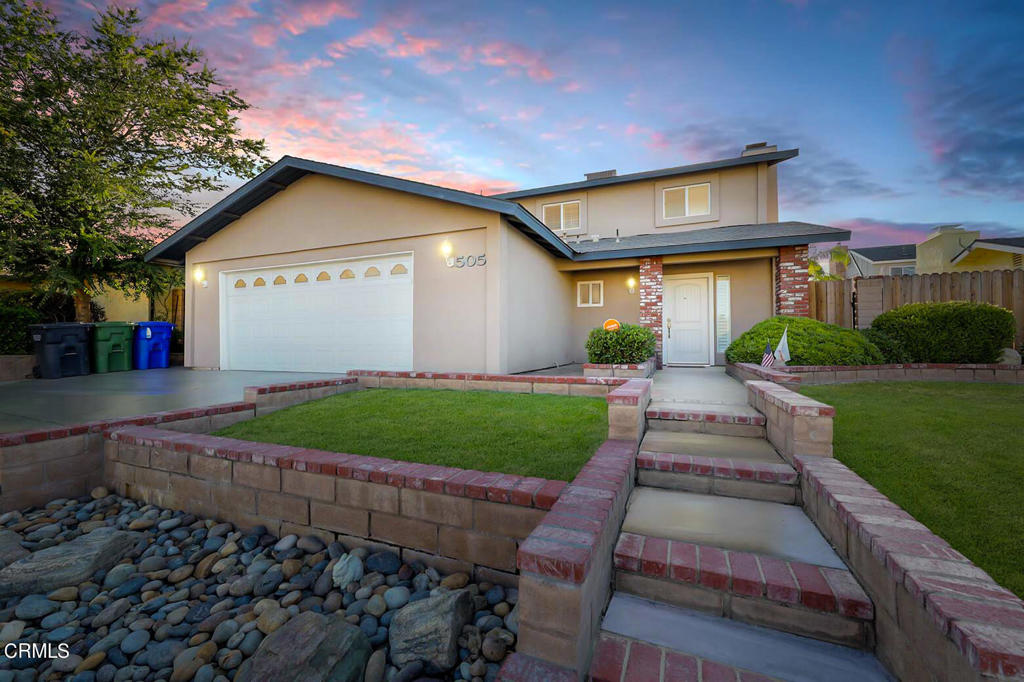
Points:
[(45, 403), (697, 385)]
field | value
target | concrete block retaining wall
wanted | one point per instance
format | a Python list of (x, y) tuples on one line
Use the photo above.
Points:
[(627, 408), (455, 519), (643, 370), (796, 424), (809, 375), (16, 367), (509, 383), (937, 615)]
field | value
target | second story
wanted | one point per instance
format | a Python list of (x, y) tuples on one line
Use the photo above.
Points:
[(737, 191)]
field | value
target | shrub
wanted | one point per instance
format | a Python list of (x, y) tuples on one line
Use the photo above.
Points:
[(15, 317), (631, 344), (891, 349), (810, 343), (955, 332)]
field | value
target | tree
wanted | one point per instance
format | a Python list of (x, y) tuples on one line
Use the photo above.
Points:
[(105, 138), (838, 254)]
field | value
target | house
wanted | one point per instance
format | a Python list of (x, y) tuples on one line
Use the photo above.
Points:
[(312, 266), (947, 248)]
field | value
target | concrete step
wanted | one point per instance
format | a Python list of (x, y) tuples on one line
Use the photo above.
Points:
[(645, 641), (723, 420), (757, 472), (769, 528), (791, 596)]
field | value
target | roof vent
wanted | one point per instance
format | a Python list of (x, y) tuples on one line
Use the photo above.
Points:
[(600, 175), (758, 148)]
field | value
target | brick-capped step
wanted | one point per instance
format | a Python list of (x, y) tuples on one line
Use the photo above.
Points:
[(726, 420), (731, 477), (791, 596)]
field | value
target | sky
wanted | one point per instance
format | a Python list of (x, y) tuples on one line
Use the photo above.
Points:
[(906, 114)]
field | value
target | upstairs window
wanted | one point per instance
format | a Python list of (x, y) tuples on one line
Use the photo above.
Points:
[(687, 201), (563, 217)]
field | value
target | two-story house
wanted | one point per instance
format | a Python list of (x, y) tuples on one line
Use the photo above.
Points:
[(311, 266)]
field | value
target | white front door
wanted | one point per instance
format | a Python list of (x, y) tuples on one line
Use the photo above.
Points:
[(687, 323)]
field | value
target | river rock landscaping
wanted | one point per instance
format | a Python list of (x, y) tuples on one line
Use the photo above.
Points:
[(137, 592)]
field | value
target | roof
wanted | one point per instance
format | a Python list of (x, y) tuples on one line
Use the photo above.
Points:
[(289, 169), (1010, 244), (885, 253), (771, 157), (1003, 241), (752, 236)]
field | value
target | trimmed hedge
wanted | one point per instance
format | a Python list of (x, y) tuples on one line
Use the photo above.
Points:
[(952, 332), (810, 343), (892, 350), (15, 317), (632, 344)]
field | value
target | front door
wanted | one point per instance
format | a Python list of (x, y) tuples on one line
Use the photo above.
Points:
[(687, 334)]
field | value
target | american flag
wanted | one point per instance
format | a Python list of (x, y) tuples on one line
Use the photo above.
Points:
[(768, 360)]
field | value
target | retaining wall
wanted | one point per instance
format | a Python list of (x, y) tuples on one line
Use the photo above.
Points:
[(795, 424), (809, 375), (508, 383), (16, 367), (643, 370)]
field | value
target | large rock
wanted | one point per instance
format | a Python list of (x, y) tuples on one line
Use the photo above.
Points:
[(68, 563), (428, 630), (310, 647), (1009, 356), (10, 547)]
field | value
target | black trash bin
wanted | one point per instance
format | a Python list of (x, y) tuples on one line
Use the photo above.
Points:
[(62, 349)]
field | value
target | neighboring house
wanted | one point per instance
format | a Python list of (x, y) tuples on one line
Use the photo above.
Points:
[(311, 266), (947, 248)]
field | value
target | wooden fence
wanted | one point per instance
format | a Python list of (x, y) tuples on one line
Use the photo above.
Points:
[(854, 303)]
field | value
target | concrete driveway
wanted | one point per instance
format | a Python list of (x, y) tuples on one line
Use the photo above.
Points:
[(43, 403)]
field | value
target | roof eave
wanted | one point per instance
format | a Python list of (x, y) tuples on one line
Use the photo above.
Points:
[(710, 247)]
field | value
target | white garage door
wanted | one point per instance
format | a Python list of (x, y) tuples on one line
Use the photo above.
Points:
[(321, 317)]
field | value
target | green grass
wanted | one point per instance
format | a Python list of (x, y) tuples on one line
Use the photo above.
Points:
[(951, 454), (531, 435)]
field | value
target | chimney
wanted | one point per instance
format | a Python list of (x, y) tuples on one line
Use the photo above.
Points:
[(600, 175), (758, 148)]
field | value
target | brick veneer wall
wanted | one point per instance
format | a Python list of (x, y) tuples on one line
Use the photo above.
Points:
[(455, 519), (509, 383), (651, 295), (566, 563), (627, 407), (748, 371), (795, 424), (808, 375), (792, 291), (937, 615)]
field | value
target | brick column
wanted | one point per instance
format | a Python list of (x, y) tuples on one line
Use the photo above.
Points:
[(651, 298), (792, 291)]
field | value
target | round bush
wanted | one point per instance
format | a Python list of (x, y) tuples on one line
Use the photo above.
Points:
[(892, 351), (632, 344), (810, 343), (954, 332)]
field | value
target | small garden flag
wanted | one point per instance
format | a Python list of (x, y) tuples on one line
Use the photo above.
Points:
[(768, 359), (782, 350)]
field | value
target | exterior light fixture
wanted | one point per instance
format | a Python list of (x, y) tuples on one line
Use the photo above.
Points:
[(631, 283), (446, 249), (199, 276)]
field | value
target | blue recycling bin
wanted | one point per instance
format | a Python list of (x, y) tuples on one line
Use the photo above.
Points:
[(152, 348)]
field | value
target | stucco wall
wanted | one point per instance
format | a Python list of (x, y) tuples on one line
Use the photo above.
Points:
[(120, 307), (618, 303), (635, 207), (320, 218), (539, 301)]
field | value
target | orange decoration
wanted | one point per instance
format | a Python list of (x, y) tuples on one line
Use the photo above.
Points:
[(611, 325)]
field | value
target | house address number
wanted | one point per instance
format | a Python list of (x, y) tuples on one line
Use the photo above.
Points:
[(467, 261)]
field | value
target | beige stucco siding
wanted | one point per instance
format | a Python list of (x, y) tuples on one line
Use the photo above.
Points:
[(539, 305), (618, 303), (319, 218), (740, 196)]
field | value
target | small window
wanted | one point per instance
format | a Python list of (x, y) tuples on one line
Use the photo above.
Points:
[(280, 280), (563, 217), (259, 282), (399, 269), (589, 294), (301, 278), (347, 274), (371, 271), (901, 270), (323, 277), (688, 201), (723, 313), (239, 283)]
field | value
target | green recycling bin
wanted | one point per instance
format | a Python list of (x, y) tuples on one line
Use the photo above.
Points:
[(111, 347)]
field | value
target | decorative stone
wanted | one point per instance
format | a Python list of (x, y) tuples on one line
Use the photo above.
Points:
[(34, 607), (272, 619), (397, 597), (348, 569), (383, 562), (455, 581), (10, 547), (311, 647), (428, 630), (1009, 356)]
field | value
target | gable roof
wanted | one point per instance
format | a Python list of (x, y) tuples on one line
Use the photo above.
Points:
[(1008, 244), (289, 169), (771, 157), (1003, 241), (877, 254)]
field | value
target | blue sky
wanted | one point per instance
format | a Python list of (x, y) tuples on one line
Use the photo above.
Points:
[(907, 114)]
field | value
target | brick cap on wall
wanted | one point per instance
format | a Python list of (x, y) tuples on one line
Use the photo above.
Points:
[(514, 378), (300, 385), (633, 392), (789, 401), (525, 491)]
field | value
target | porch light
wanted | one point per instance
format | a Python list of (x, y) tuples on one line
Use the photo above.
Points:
[(631, 283), (446, 249), (199, 276)]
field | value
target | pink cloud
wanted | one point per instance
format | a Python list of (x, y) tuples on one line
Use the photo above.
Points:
[(375, 36), (572, 86), (414, 47), (515, 58), (264, 35), (299, 17), (173, 13)]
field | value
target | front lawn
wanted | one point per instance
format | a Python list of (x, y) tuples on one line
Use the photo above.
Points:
[(951, 454), (531, 435)]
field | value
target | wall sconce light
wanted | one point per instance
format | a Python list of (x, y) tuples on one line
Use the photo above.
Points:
[(200, 276), (446, 249), (631, 283)]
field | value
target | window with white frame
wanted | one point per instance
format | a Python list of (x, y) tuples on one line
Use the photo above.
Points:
[(686, 201), (590, 294), (563, 216), (723, 317), (901, 270)]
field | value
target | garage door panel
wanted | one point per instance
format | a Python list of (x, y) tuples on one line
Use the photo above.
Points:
[(327, 323)]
